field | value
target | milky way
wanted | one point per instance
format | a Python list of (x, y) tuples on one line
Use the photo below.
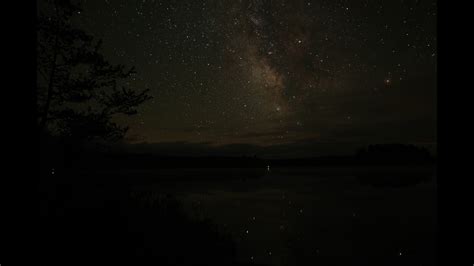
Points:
[(337, 73)]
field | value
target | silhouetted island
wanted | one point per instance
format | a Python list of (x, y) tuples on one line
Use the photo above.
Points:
[(59, 154)]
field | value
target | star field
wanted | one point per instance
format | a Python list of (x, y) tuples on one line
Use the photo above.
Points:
[(269, 73)]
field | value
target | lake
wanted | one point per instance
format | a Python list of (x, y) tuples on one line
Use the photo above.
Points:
[(312, 216)]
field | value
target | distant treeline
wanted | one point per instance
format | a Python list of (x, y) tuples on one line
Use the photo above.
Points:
[(385, 154), (145, 161), (378, 154), (54, 154)]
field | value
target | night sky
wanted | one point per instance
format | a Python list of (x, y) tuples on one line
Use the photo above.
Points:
[(331, 75)]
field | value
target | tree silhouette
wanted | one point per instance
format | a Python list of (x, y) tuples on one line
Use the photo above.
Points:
[(79, 91), (394, 153)]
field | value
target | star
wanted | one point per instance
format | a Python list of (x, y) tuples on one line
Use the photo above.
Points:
[(255, 53)]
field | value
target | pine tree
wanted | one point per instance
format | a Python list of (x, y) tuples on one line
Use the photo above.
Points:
[(79, 91)]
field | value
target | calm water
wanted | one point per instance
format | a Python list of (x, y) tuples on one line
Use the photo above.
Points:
[(311, 217)]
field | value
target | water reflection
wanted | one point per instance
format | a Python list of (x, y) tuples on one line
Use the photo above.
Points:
[(285, 219)]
